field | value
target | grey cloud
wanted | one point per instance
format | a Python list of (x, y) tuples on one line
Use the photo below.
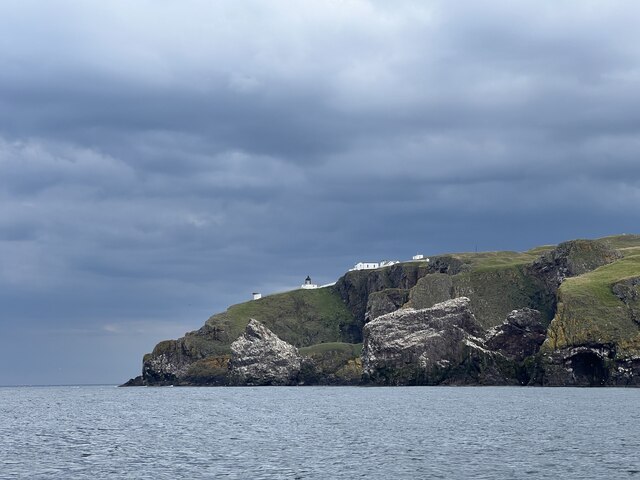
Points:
[(161, 161)]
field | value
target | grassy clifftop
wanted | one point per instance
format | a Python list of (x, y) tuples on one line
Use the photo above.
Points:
[(300, 317), (588, 291), (600, 307), (496, 283)]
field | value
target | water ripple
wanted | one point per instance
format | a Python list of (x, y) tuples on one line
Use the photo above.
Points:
[(318, 433)]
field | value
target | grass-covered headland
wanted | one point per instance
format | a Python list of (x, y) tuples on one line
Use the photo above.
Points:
[(588, 293)]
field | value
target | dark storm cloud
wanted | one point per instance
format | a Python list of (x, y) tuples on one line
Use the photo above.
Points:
[(159, 161)]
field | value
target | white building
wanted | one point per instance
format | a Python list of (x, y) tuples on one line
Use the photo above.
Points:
[(366, 266), (420, 257), (307, 284), (256, 295)]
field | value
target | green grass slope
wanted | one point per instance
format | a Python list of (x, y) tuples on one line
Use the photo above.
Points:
[(300, 317), (496, 283), (590, 312)]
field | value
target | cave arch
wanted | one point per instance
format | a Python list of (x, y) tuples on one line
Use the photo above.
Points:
[(589, 368)]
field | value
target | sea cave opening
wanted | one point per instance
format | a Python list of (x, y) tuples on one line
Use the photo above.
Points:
[(589, 368)]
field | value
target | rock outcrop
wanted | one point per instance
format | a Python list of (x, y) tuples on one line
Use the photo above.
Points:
[(441, 344), (385, 301), (594, 337), (168, 363), (259, 357), (570, 259), (588, 366), (628, 292), (355, 287), (520, 336)]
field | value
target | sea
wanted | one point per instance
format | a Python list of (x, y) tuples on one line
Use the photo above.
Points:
[(105, 432)]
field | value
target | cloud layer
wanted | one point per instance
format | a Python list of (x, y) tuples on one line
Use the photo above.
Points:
[(161, 160)]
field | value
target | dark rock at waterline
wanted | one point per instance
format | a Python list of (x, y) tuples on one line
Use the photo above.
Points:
[(134, 382), (597, 365)]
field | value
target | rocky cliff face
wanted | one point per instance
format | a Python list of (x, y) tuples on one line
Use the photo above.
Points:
[(259, 357), (628, 292), (385, 301), (442, 344), (572, 318), (597, 365), (169, 362), (570, 259), (445, 344), (355, 287), (594, 338), (519, 336)]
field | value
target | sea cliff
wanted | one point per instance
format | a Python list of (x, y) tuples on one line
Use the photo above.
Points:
[(566, 314)]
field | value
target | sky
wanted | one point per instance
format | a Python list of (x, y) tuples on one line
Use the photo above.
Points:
[(160, 160)]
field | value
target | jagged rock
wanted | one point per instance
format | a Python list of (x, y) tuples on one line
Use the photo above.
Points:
[(259, 357), (520, 336), (435, 345)]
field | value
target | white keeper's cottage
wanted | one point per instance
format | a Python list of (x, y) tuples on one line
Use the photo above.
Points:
[(366, 266)]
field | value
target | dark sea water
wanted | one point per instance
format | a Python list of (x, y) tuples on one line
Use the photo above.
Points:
[(319, 433)]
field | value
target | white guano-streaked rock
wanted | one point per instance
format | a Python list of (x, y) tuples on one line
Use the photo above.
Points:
[(259, 357)]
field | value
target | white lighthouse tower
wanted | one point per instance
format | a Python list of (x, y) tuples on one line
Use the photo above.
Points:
[(307, 285)]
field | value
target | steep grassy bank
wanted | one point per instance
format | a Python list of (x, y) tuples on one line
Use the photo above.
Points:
[(600, 307)]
